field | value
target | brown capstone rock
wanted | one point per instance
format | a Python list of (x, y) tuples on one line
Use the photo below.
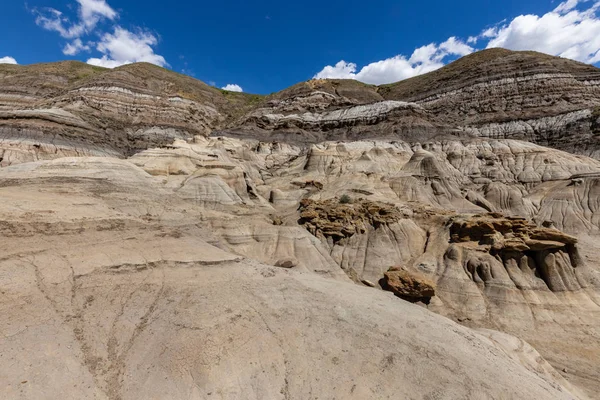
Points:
[(287, 262), (330, 218), (507, 234), (408, 284)]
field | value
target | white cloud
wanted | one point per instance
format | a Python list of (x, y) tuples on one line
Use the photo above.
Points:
[(425, 54), (89, 14), (566, 6), (341, 70), (75, 47), (116, 48), (486, 34), (53, 20), (424, 59), (571, 30), (567, 31), (126, 47), (232, 87), (91, 11), (7, 60), (489, 32), (454, 46), (105, 62)]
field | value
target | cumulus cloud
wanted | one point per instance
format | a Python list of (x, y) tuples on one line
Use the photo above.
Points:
[(75, 47), (53, 20), (454, 46), (486, 34), (7, 60), (569, 31), (424, 59), (232, 87), (89, 14), (117, 46), (125, 47), (91, 11)]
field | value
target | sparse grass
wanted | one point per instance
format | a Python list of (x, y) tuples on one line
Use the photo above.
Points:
[(472, 67), (248, 97), (255, 99), (361, 92), (154, 79), (71, 70), (240, 103)]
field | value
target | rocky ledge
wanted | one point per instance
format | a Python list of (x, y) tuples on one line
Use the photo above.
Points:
[(342, 218), (529, 253)]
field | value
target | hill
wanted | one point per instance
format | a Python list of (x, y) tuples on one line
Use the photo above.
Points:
[(74, 107)]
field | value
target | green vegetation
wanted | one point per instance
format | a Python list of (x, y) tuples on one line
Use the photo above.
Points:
[(249, 98), (254, 99)]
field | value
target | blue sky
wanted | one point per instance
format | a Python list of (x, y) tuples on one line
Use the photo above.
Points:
[(265, 46)]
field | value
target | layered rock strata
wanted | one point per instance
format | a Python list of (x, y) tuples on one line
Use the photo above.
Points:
[(484, 221), (269, 255), (114, 288), (494, 94)]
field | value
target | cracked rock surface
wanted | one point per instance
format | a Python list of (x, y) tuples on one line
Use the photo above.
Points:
[(164, 239), (122, 292)]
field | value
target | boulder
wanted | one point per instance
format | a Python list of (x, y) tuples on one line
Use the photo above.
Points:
[(288, 262), (408, 284)]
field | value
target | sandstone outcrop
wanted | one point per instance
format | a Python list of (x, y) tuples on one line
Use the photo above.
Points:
[(408, 285), (534, 257), (158, 234), (476, 218), (336, 220), (118, 112), (493, 94), (113, 288)]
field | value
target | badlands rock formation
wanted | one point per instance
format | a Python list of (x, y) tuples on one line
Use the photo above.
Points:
[(494, 94), (512, 95), (71, 108), (476, 218), (115, 288), (164, 239)]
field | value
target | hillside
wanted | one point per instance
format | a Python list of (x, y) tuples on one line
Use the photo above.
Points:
[(74, 108), (162, 238), (493, 93)]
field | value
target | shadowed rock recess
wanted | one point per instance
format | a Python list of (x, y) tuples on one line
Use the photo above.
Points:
[(436, 238)]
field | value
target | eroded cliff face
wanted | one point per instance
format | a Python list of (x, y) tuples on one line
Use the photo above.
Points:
[(71, 108), (145, 245), (512, 95), (317, 115), (493, 94), (503, 229), (117, 284)]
